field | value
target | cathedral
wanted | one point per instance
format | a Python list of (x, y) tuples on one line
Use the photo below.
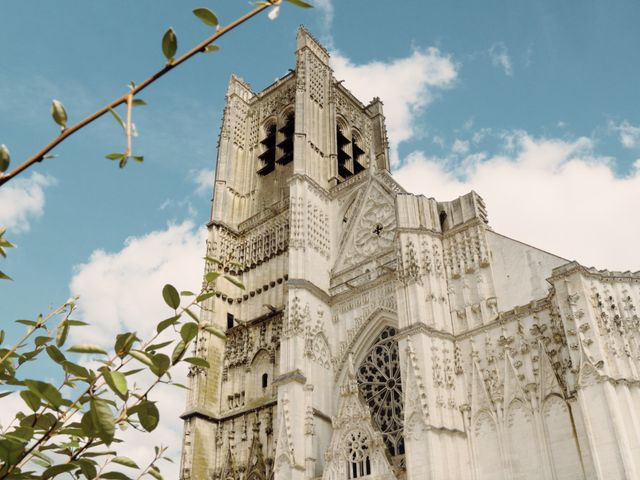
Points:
[(382, 335)]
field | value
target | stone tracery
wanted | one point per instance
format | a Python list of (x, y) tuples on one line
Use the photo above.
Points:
[(380, 384)]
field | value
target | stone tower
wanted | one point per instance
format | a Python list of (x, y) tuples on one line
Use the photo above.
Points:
[(385, 335)]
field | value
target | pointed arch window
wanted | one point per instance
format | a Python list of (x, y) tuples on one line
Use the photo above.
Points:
[(380, 384), (351, 153), (358, 460), (286, 145), (268, 156)]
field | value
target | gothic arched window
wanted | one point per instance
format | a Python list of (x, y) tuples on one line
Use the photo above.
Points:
[(358, 461), (380, 384)]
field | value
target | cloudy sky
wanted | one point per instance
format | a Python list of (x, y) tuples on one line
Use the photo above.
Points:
[(534, 105)]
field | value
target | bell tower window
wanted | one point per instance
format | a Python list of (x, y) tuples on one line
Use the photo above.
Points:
[(268, 156), (286, 145), (351, 154)]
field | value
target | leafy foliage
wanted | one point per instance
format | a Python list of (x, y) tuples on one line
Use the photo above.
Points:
[(64, 428)]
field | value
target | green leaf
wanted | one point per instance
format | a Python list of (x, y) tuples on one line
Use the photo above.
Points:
[(4, 276), (234, 281), (214, 260), (124, 342), (5, 158), (76, 323), (183, 293), (87, 348), (40, 341), (161, 364), (55, 354), (300, 3), (63, 331), (118, 119), (114, 475), (45, 391), (215, 331), (126, 461), (57, 470), (103, 420), (207, 16), (163, 325), (192, 315), (28, 323), (169, 44), (148, 415), (115, 156), (188, 332), (211, 48), (117, 383), (197, 361), (141, 357), (11, 450), (157, 346), (178, 352), (211, 276), (138, 102), (58, 113), (88, 467), (138, 158), (76, 370), (31, 399), (155, 473), (171, 296), (205, 296)]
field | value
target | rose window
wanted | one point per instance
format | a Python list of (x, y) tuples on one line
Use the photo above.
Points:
[(381, 386)]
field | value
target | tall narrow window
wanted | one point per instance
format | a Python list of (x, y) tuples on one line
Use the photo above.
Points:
[(344, 154), (358, 154), (268, 156), (286, 145), (265, 380), (230, 319)]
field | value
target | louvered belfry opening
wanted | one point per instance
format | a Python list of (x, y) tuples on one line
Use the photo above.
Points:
[(351, 155), (286, 145), (344, 157), (268, 156), (358, 154)]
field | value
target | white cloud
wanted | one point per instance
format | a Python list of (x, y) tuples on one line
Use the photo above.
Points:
[(325, 7), (460, 147), (203, 179), (500, 58), (629, 134), (557, 195), (405, 85), (121, 291), (22, 200)]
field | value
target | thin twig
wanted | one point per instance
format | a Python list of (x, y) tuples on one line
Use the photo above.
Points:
[(67, 132)]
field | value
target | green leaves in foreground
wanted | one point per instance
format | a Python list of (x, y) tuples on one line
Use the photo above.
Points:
[(5, 158), (59, 114), (206, 16), (78, 417), (169, 45), (171, 296), (4, 243), (300, 3)]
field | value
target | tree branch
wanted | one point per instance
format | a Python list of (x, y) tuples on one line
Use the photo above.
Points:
[(67, 132)]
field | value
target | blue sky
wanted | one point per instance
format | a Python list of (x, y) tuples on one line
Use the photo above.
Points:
[(533, 104)]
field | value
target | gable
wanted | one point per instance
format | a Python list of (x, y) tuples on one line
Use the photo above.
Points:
[(371, 229)]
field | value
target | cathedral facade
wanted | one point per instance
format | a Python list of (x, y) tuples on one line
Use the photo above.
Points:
[(386, 335)]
